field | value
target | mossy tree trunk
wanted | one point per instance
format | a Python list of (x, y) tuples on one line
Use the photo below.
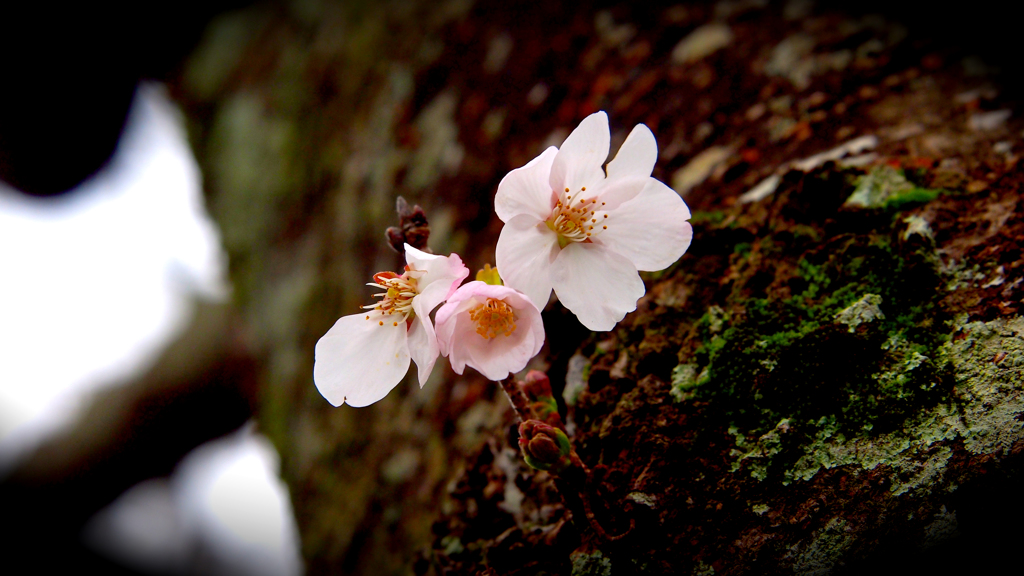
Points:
[(830, 379)]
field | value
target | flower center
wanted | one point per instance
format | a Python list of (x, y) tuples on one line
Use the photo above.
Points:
[(493, 317), (575, 220), (397, 295)]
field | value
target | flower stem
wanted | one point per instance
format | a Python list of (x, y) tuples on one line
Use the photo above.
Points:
[(516, 397), (532, 400)]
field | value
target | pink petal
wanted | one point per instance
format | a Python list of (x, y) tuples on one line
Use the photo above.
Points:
[(443, 275), (526, 248), (580, 158), (444, 326), (454, 326), (358, 361), (596, 284), (422, 341), (636, 157), (651, 230), (476, 353), (533, 328), (526, 190), (459, 334), (496, 357)]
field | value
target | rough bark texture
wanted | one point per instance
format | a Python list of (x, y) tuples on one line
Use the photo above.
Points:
[(830, 380)]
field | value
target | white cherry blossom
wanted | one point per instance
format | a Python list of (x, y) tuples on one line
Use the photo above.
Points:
[(364, 356), (584, 232), (494, 329)]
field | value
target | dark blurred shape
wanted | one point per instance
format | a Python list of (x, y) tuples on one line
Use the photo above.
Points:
[(204, 386), (68, 73), (984, 27), (412, 228)]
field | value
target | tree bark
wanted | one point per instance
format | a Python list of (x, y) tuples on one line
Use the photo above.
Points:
[(829, 381)]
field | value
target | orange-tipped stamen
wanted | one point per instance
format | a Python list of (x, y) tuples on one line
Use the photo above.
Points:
[(493, 318)]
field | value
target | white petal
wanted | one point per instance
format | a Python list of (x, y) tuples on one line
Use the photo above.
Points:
[(444, 274), (596, 284), (422, 341), (359, 361), (526, 190), (526, 248), (613, 193), (580, 158), (636, 157), (651, 230)]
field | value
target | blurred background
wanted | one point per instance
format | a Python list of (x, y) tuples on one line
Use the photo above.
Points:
[(192, 194)]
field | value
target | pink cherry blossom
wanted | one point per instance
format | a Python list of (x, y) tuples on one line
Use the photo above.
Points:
[(494, 329), (363, 356), (584, 231)]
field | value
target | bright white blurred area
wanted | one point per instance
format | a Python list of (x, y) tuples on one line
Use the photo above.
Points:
[(98, 281), (93, 285), (224, 511)]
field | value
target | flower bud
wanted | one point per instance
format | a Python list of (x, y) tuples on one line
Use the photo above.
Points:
[(396, 239), (544, 447), (536, 385), (489, 275), (543, 407), (412, 228)]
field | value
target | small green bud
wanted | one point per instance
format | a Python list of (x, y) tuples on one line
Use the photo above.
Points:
[(489, 275)]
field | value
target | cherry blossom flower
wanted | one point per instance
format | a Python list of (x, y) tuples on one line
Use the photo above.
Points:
[(494, 329), (584, 232), (363, 356)]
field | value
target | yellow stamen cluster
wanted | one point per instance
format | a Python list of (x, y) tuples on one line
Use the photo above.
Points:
[(574, 222), (397, 295), (494, 317)]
